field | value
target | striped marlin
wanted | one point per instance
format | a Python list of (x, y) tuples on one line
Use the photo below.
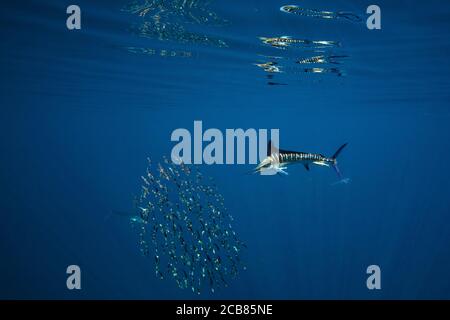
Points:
[(277, 160)]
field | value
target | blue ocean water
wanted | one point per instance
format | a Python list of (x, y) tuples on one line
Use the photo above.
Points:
[(81, 110)]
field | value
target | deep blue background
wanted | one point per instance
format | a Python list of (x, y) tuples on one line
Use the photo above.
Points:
[(79, 116)]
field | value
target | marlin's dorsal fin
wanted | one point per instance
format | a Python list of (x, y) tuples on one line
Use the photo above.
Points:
[(274, 149), (306, 166)]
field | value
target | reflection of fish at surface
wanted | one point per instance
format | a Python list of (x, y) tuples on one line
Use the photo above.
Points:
[(314, 13), (160, 52), (322, 59), (273, 67), (284, 42), (270, 66), (169, 20), (188, 228), (314, 52), (192, 11), (338, 72)]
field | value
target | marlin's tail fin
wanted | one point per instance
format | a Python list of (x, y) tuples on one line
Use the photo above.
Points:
[(335, 155)]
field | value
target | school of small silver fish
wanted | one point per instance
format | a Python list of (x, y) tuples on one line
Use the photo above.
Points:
[(185, 227)]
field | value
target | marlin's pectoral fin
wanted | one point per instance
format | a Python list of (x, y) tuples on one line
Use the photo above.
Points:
[(306, 166), (282, 170)]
